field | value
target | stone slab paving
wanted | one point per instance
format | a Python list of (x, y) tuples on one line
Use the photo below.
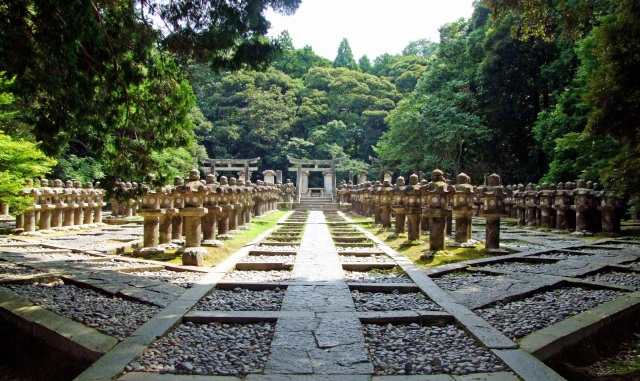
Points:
[(318, 333), (323, 345)]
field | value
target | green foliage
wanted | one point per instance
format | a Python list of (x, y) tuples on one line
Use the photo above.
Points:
[(19, 160), (296, 62), (422, 48), (250, 112), (345, 56), (83, 169), (580, 156), (364, 63)]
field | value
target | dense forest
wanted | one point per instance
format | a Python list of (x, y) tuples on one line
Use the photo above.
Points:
[(534, 91)]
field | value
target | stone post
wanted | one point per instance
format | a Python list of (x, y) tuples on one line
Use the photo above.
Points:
[(412, 208), (561, 204), (4, 209), (178, 203), (46, 206), (279, 176), (304, 183), (57, 214), (70, 200), (546, 198), (463, 210), (386, 198), (362, 178), (519, 204), (210, 220), (493, 209), (151, 212), (226, 206), (612, 209), (531, 203), (583, 206), (237, 206), (328, 182), (165, 233), (89, 204), (99, 204), (436, 196), (398, 208), (375, 203), (29, 216), (194, 192), (79, 194)]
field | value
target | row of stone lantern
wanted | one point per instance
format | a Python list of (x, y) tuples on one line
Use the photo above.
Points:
[(61, 206), (581, 207), (205, 212), (431, 206)]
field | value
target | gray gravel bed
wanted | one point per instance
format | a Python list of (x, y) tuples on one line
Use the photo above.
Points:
[(259, 276), (242, 299), (373, 258), (358, 249), (630, 279), (10, 270), (62, 256), (376, 277), (184, 279), (523, 246), (599, 251), (519, 318), (112, 263), (521, 266), (208, 349), (278, 248), (395, 301), (28, 249), (4, 241), (412, 349), (269, 258), (564, 255), (453, 282), (110, 315)]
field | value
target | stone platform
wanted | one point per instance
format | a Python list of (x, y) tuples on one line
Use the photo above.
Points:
[(343, 311)]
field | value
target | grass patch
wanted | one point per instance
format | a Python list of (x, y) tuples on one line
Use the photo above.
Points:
[(414, 250), (219, 254)]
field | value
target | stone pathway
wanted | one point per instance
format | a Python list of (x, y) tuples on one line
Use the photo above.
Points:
[(329, 341), (254, 317)]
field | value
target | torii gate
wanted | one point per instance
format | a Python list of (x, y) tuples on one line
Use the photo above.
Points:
[(303, 162), (231, 165)]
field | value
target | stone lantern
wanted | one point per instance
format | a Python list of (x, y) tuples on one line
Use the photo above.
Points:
[(249, 193), (210, 220), (29, 216), (531, 203), (386, 198), (612, 209), (59, 205), (561, 204), (375, 203), (583, 205), (150, 210), (70, 200), (80, 203), (237, 206), (436, 197), (45, 200), (225, 202), (167, 201), (367, 199), (194, 192), (412, 208), (98, 204), (519, 203), (493, 209), (397, 205), (546, 197), (178, 203), (89, 204), (463, 208)]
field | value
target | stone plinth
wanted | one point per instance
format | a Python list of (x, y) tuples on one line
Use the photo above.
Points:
[(193, 254), (151, 233)]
